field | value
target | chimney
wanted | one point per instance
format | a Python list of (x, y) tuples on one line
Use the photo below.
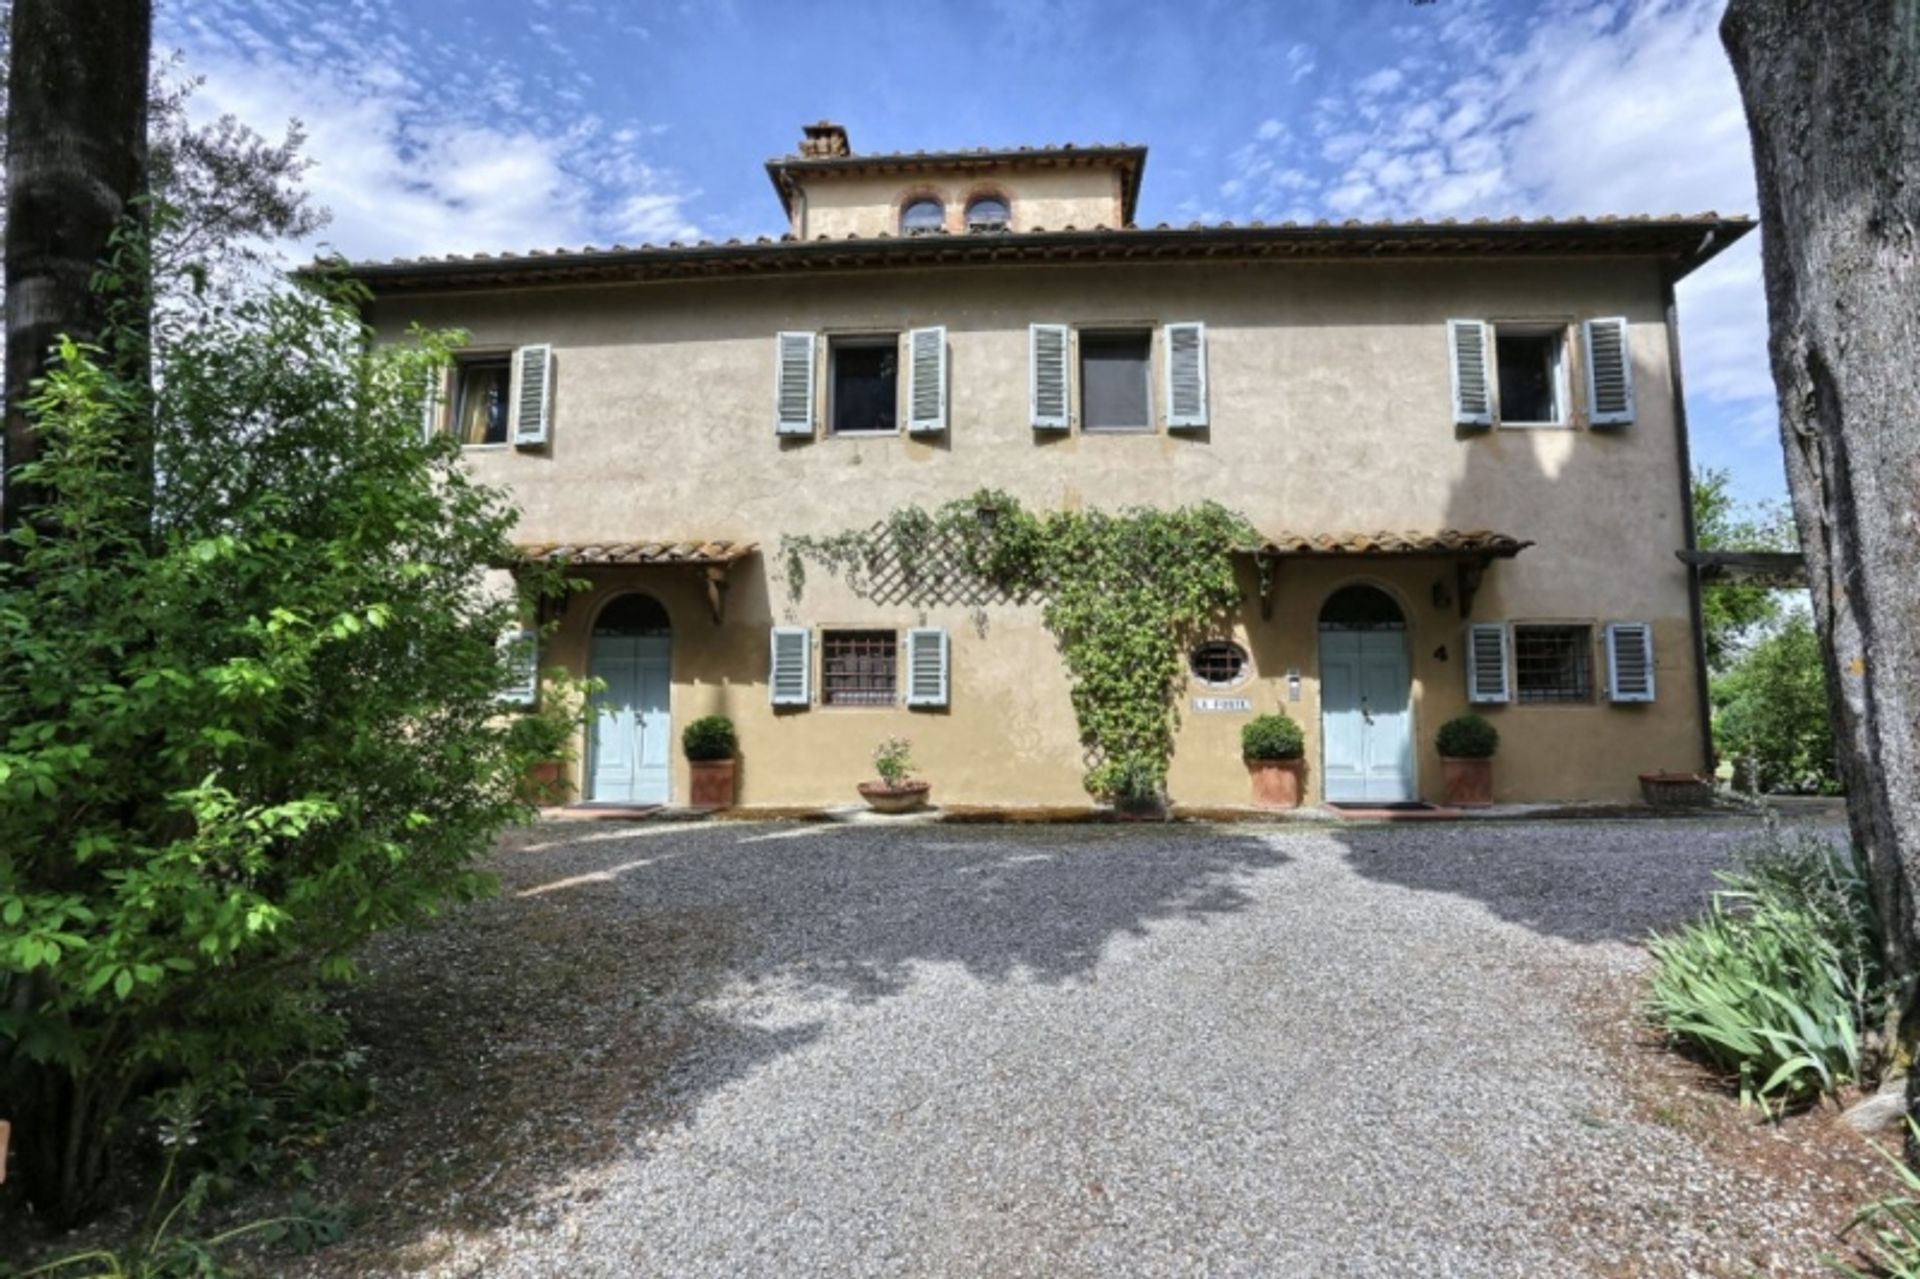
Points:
[(823, 141)]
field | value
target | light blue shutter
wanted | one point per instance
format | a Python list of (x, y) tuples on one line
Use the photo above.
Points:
[(790, 666), (1609, 372), (1630, 661), (533, 404), (793, 384), (1487, 663), (521, 651), (1047, 376), (926, 667), (927, 380), (432, 403), (1186, 355), (1469, 347)]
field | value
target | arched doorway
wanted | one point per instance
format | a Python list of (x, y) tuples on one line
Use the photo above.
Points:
[(1366, 699), (632, 731)]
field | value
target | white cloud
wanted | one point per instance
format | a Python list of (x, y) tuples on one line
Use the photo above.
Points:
[(408, 170), (1589, 107)]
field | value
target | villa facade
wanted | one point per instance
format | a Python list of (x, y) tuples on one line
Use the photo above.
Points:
[(1463, 445)]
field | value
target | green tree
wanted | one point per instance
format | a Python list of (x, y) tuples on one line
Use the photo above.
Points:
[(241, 736), (1770, 713), (1732, 612)]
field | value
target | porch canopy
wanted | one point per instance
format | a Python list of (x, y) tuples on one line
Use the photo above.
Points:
[(1777, 569), (1471, 551), (713, 558)]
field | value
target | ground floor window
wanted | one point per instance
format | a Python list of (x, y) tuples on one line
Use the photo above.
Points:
[(858, 668), (1553, 663)]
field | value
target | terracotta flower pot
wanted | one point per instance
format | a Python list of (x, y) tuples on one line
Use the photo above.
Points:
[(545, 783), (1676, 790), (1469, 782), (904, 798), (712, 783), (1276, 782)]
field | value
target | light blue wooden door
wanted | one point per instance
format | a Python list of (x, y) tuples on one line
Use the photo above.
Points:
[(1366, 717), (632, 727)]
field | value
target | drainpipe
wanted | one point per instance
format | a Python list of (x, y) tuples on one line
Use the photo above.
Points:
[(1684, 454)]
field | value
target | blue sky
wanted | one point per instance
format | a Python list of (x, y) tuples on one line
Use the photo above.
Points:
[(458, 127)]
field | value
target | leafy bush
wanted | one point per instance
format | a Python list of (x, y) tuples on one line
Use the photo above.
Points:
[(1771, 715), (893, 761), (249, 712), (1467, 737), (711, 737), (1271, 737), (1780, 983), (1137, 788)]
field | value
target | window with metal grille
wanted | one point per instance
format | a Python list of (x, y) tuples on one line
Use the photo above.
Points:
[(1218, 663), (858, 668), (1553, 663)]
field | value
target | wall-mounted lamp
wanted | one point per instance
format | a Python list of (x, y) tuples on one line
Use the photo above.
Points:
[(1442, 594)]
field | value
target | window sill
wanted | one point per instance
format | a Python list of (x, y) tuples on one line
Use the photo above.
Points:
[(485, 448), (1536, 426), (1118, 430), (864, 435)]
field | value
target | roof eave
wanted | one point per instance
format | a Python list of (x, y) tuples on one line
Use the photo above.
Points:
[(1686, 244)]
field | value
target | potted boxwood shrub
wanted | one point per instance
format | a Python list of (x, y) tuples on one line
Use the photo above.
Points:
[(710, 744), (896, 791), (1467, 744), (1273, 746)]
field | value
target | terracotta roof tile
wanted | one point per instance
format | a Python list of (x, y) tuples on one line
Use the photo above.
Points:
[(1689, 240), (1446, 541), (696, 552)]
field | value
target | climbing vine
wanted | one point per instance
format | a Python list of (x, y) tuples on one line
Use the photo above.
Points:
[(1121, 591)]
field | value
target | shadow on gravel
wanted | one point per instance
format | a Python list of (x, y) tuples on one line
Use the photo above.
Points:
[(555, 1027), (1581, 881)]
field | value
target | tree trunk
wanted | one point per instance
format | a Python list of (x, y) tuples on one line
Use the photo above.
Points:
[(76, 158), (1832, 95)]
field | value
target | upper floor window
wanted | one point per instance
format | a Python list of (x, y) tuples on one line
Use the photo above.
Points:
[(482, 387), (1531, 365), (863, 384), (989, 213), (922, 216), (1114, 392)]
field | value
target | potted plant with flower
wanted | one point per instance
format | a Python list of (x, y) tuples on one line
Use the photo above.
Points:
[(897, 791), (1273, 748), (710, 744), (1467, 744)]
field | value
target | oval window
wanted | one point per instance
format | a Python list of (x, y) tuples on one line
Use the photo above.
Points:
[(988, 213), (922, 216), (1218, 663)]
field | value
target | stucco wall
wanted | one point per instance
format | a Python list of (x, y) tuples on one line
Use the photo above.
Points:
[(869, 204), (1330, 410)]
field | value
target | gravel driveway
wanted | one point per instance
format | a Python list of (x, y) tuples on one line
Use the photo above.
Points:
[(728, 1049)]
